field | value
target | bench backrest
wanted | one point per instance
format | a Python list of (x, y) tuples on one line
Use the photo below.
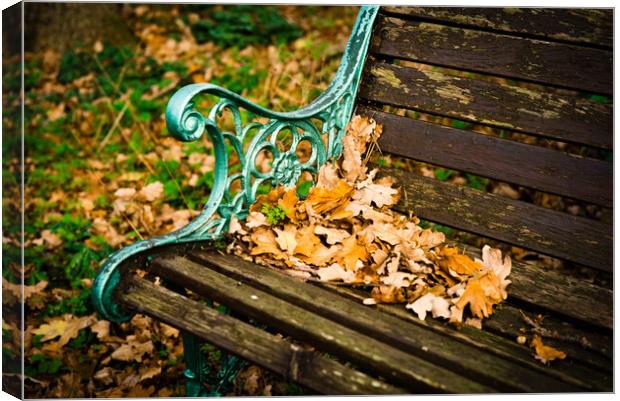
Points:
[(527, 96)]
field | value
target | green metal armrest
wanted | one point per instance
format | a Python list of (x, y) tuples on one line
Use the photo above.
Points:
[(332, 109)]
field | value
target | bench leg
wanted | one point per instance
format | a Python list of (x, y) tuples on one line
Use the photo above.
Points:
[(197, 372), (195, 367)]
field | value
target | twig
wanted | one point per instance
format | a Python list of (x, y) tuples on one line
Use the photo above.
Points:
[(132, 226), (543, 332), (114, 126), (105, 73)]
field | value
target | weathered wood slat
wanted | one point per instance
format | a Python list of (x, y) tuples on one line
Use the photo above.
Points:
[(588, 346), (566, 65), (577, 367), (413, 336), (371, 355), (530, 166), (558, 234), (565, 118), (558, 293), (586, 26), (530, 283), (308, 368)]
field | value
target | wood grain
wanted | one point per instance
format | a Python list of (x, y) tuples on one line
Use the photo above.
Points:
[(308, 368), (413, 336), (372, 356), (550, 232), (527, 165), (583, 26), (565, 118), (566, 65), (559, 293)]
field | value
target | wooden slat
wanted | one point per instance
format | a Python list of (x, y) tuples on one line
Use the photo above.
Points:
[(371, 355), (539, 61), (588, 346), (413, 336), (561, 117), (559, 293), (586, 26), (530, 166), (580, 240), (546, 289), (308, 368), (593, 365)]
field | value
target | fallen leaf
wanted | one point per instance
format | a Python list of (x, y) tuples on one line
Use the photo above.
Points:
[(265, 242), (334, 235), (429, 239), (101, 328), (49, 239), (105, 375), (307, 242), (12, 293), (286, 238), (453, 262), (335, 272), (492, 259), (235, 227), (149, 372), (545, 353), (398, 279), (57, 112), (328, 176), (323, 200), (66, 327), (352, 252), (481, 293), (472, 322), (256, 219), (125, 193), (387, 294), (322, 255), (288, 203), (380, 195), (438, 306), (151, 192), (132, 350)]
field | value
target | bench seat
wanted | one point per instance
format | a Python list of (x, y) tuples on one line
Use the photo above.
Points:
[(381, 349)]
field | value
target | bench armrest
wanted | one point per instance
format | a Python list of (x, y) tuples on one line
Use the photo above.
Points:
[(331, 110)]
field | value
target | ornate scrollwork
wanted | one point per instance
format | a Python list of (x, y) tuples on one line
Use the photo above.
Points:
[(321, 124)]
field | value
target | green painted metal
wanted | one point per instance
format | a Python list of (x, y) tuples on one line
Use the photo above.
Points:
[(326, 117), (196, 370)]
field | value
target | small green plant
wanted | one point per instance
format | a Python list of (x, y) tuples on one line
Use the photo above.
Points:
[(475, 182), (443, 174), (274, 214), (458, 124), (303, 189), (601, 99), (244, 25), (43, 364)]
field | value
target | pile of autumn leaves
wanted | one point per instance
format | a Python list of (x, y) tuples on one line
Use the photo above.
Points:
[(345, 231)]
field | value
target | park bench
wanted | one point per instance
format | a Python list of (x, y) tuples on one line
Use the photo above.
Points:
[(542, 79)]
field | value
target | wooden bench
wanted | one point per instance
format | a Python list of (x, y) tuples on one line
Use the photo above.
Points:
[(542, 80)]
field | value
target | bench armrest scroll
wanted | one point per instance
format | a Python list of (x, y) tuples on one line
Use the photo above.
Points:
[(326, 117)]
